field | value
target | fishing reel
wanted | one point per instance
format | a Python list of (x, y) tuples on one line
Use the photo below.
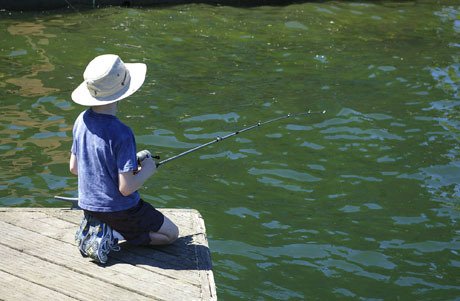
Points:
[(143, 154)]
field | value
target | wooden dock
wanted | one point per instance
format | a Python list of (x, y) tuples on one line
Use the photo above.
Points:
[(39, 261)]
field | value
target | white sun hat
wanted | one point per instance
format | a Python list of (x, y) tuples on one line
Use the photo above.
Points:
[(107, 80)]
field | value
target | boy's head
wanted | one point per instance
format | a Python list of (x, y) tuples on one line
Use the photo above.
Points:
[(107, 80)]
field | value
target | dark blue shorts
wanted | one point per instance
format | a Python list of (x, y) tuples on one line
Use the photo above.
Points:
[(134, 223)]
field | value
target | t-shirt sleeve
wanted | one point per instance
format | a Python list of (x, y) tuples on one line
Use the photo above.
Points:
[(126, 154)]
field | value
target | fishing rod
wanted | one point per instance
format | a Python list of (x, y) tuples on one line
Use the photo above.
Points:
[(218, 138), (73, 201), (145, 153)]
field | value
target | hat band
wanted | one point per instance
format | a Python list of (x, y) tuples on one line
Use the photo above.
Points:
[(97, 89)]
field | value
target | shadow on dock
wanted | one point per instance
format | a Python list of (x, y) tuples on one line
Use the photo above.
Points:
[(183, 254)]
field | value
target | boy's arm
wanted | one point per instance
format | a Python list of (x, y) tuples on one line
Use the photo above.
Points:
[(73, 164), (130, 182)]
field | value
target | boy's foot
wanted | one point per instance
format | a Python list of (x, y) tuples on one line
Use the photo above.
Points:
[(82, 235), (101, 242)]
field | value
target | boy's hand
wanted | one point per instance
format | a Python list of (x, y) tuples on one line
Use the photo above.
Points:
[(149, 165), (142, 155)]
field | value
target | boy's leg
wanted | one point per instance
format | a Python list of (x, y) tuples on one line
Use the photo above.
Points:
[(166, 235)]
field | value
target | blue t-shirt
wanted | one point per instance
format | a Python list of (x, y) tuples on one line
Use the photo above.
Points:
[(104, 147)]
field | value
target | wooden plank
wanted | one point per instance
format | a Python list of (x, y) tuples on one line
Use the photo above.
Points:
[(128, 277), (182, 271), (14, 288), (203, 258), (62, 280), (174, 266)]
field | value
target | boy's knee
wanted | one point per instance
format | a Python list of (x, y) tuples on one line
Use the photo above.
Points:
[(174, 234), (170, 230)]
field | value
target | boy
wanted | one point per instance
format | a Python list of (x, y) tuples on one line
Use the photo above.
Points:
[(103, 156)]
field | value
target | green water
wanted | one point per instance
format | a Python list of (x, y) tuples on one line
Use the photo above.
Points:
[(362, 202)]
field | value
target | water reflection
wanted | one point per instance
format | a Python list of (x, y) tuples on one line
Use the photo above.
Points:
[(35, 36), (448, 78)]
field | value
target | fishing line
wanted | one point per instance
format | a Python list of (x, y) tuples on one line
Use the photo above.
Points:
[(78, 12)]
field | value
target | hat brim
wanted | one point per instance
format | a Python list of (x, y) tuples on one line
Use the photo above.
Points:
[(137, 71)]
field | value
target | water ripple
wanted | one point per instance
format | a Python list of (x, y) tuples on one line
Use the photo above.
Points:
[(229, 117), (414, 281), (360, 134), (423, 247), (163, 138), (285, 173)]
